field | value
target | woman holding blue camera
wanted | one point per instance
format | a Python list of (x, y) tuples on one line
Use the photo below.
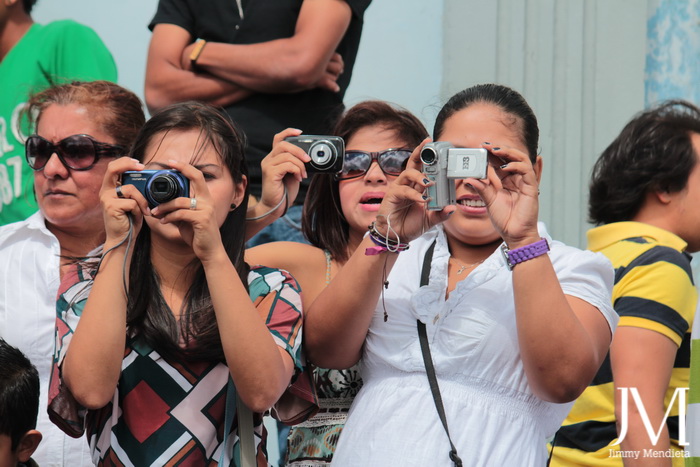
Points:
[(379, 139), (507, 325), (176, 325)]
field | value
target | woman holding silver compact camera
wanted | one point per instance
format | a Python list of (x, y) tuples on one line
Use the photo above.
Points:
[(475, 336), (379, 138), (176, 327)]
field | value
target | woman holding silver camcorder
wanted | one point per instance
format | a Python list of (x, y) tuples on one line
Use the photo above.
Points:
[(506, 325)]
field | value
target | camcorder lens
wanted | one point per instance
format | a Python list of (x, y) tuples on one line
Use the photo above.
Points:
[(428, 156)]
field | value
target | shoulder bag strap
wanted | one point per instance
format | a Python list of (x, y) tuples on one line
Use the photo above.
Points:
[(428, 360), (246, 429), (246, 434)]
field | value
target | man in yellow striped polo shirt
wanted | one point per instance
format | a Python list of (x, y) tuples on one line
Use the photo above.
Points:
[(645, 199)]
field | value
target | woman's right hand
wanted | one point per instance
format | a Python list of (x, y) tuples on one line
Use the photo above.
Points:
[(116, 209), (282, 168), (403, 210)]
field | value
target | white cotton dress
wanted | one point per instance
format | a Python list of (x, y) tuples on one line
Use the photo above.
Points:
[(493, 416)]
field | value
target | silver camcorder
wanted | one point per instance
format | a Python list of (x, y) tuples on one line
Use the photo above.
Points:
[(326, 152), (443, 163)]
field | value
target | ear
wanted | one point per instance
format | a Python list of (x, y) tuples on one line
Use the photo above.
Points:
[(239, 192), (27, 445), (663, 195), (538, 168)]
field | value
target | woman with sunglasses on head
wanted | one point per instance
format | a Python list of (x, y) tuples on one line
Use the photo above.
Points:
[(514, 339), (379, 139), (79, 128), (176, 326)]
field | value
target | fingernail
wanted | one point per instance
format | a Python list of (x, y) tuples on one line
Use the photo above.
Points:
[(425, 181), (504, 166), (172, 161), (495, 149), (425, 197), (148, 211), (154, 211)]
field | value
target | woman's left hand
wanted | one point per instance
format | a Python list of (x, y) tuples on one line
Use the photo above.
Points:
[(510, 192), (195, 217)]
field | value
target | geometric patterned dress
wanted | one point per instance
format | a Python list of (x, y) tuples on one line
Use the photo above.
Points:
[(169, 412)]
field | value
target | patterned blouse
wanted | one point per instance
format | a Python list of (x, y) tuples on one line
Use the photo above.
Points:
[(169, 412)]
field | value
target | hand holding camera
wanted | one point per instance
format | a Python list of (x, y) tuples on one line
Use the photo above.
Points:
[(510, 192), (282, 171), (403, 209)]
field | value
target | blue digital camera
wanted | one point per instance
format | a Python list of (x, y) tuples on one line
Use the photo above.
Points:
[(158, 186)]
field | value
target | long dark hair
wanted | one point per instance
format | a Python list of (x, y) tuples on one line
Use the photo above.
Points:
[(148, 315), (323, 221), (507, 99)]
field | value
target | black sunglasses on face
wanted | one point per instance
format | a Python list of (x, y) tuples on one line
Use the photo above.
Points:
[(357, 163), (76, 152)]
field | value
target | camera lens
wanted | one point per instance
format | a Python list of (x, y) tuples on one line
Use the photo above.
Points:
[(428, 156), (321, 154), (164, 188)]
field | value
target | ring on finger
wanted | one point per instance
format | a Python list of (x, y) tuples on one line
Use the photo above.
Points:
[(193, 203), (118, 189)]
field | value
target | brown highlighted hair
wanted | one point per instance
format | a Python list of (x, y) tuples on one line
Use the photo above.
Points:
[(116, 110), (323, 221)]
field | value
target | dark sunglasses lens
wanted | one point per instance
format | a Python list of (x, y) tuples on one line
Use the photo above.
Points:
[(38, 152), (78, 152), (394, 162), (355, 164)]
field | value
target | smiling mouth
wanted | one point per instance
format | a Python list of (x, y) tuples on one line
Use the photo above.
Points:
[(472, 203)]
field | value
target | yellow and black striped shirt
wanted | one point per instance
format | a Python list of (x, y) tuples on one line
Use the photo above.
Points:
[(653, 290)]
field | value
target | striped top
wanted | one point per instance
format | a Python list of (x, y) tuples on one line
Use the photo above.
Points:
[(653, 290), (169, 412)]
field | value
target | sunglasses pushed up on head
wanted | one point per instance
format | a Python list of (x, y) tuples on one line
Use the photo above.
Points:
[(76, 152)]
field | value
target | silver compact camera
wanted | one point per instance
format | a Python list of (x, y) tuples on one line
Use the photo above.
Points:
[(326, 152), (158, 186), (443, 163)]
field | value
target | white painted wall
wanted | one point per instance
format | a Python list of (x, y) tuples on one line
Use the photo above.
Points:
[(580, 65)]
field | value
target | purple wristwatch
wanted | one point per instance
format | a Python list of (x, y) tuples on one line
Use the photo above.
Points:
[(524, 253)]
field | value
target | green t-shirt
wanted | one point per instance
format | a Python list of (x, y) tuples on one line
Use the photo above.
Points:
[(61, 51)]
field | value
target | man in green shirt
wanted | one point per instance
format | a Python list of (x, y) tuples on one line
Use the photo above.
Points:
[(32, 57)]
